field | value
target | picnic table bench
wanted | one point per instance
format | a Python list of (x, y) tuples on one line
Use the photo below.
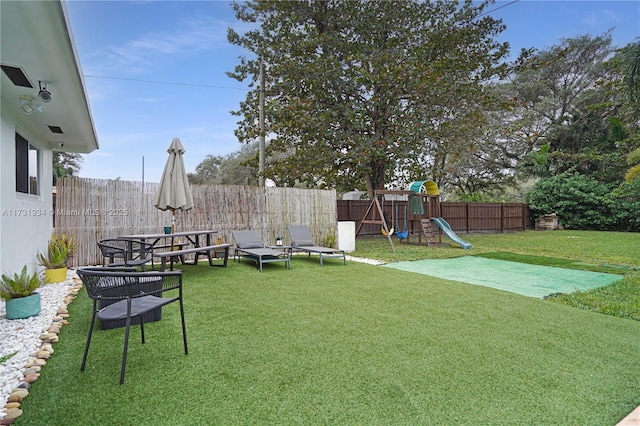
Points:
[(174, 246), (210, 251)]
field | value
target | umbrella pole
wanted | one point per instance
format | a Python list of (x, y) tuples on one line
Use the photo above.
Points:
[(173, 221)]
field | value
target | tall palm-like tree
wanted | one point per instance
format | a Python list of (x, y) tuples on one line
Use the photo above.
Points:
[(631, 75)]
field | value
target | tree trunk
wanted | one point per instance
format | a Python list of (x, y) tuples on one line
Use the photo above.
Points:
[(375, 178)]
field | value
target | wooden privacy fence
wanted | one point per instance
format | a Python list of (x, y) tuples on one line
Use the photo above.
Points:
[(95, 209), (463, 217)]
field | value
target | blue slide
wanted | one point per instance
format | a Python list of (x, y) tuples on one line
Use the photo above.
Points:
[(444, 227)]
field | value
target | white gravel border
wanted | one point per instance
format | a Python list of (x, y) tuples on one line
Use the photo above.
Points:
[(22, 336)]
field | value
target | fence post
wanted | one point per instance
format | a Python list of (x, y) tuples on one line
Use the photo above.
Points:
[(466, 207)]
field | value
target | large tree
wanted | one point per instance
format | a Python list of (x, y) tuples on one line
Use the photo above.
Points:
[(358, 92), (630, 64), (236, 168), (563, 96), (66, 164)]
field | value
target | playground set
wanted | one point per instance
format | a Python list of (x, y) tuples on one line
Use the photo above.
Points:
[(422, 199)]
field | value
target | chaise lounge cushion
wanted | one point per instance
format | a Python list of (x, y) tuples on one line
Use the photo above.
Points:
[(250, 245)]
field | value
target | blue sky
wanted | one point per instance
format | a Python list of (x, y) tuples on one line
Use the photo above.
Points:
[(130, 50)]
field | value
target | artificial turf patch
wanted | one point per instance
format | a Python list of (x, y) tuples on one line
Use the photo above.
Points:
[(516, 277)]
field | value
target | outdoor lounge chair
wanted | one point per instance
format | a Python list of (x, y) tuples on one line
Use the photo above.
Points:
[(249, 246), (302, 240), (131, 295)]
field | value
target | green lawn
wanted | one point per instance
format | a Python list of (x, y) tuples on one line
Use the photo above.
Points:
[(611, 248), (359, 345)]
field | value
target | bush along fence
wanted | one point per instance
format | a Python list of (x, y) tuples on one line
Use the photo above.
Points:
[(95, 209), (463, 217)]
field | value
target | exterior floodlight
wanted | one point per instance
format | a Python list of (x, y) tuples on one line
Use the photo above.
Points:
[(44, 94)]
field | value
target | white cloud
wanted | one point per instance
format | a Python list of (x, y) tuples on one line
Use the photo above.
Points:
[(148, 51), (602, 17)]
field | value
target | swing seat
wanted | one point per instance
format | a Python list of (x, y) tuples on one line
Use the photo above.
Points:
[(385, 232), (402, 234)]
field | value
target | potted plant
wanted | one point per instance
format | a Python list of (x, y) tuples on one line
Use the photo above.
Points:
[(55, 262), (220, 254), (19, 293)]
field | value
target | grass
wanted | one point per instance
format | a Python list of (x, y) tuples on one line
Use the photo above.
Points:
[(351, 345), (555, 262), (600, 248)]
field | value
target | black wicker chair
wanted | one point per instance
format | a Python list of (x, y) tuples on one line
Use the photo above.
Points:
[(117, 252), (133, 294)]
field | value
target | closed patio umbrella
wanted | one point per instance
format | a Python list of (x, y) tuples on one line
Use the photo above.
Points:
[(175, 192)]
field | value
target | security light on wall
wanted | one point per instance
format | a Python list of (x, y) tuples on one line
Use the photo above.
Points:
[(44, 94)]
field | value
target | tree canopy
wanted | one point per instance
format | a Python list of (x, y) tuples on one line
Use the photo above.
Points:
[(361, 92), (66, 164), (237, 168)]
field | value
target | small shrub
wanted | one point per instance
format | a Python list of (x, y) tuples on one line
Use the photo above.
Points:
[(58, 251), (580, 201), (329, 238), (624, 204), (20, 285)]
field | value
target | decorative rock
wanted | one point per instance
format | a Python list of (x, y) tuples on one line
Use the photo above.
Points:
[(30, 378), (18, 395), (22, 338), (13, 413), (43, 355), (47, 336), (36, 362)]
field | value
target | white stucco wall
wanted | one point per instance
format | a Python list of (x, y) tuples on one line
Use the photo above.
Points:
[(25, 220)]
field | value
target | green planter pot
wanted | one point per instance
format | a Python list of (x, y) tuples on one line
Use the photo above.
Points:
[(23, 307), (55, 275)]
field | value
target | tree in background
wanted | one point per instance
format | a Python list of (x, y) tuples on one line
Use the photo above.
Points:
[(66, 164), (630, 63), (563, 108), (237, 168), (563, 97), (360, 92)]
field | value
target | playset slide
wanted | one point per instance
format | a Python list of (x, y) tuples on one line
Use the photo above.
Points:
[(444, 226)]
